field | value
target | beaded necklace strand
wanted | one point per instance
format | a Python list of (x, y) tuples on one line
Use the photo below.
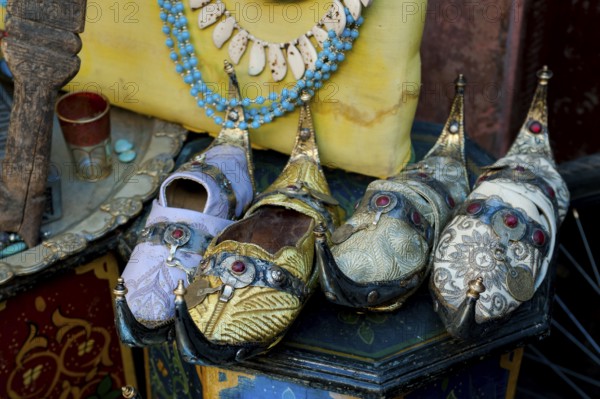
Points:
[(265, 110)]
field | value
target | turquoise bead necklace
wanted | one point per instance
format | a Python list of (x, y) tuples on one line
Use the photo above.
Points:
[(259, 110)]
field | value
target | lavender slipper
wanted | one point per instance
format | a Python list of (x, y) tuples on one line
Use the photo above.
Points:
[(194, 204)]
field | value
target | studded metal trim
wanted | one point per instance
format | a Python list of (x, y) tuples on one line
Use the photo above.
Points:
[(177, 234), (493, 211), (160, 233), (257, 272), (399, 208)]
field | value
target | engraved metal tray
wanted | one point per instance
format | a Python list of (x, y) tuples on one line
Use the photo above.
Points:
[(91, 210)]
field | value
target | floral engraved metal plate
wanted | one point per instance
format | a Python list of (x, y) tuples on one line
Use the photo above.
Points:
[(197, 292), (92, 210)]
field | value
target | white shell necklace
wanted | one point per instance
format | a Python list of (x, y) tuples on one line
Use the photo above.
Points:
[(301, 53)]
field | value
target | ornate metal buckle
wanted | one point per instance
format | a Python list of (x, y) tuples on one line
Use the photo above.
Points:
[(175, 236), (237, 273)]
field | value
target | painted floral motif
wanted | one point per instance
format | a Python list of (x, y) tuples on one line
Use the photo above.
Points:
[(104, 390), (85, 347), (168, 373), (84, 354), (364, 321), (32, 374)]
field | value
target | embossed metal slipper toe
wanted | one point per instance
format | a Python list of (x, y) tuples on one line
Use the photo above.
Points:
[(259, 272), (382, 254), (194, 204), (495, 253)]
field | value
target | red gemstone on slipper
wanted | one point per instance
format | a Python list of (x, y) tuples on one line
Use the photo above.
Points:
[(177, 234), (382, 201), (511, 221), (238, 266), (450, 201), (551, 192), (416, 218), (539, 238), (535, 127), (474, 208)]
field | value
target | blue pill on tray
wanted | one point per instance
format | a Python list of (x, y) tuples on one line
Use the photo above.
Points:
[(123, 145), (127, 156)]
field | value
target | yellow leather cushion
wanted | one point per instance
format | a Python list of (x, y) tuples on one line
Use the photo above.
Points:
[(363, 114)]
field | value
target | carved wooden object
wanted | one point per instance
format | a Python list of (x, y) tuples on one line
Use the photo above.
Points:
[(40, 50)]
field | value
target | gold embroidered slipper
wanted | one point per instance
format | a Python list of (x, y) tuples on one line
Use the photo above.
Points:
[(259, 272)]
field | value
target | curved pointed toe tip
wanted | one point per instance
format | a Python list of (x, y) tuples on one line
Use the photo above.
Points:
[(186, 332), (180, 291), (460, 322), (131, 332), (460, 83), (544, 75), (129, 392), (320, 231), (120, 290), (476, 288)]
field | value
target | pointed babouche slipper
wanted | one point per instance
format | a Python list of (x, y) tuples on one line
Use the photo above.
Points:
[(382, 254), (495, 253), (194, 203), (259, 272)]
